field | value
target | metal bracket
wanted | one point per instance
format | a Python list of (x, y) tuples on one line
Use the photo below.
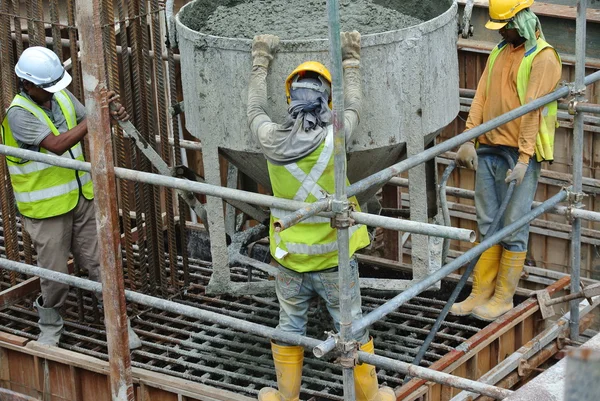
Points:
[(575, 202), (349, 350), (572, 107), (523, 369), (342, 211)]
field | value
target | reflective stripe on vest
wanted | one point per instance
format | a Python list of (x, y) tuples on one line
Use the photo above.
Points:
[(544, 146), (43, 190), (310, 245), (51, 192)]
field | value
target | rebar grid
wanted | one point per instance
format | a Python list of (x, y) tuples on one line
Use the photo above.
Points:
[(218, 356)]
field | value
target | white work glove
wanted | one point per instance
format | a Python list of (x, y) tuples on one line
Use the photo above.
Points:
[(467, 156), (263, 48), (350, 48), (517, 173)]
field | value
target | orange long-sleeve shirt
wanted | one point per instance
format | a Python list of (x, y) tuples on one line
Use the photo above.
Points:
[(503, 97)]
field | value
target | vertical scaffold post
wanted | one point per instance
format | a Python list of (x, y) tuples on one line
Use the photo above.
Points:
[(340, 200), (577, 163), (103, 173)]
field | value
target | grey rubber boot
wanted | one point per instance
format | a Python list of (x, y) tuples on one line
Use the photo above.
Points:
[(134, 340), (51, 324)]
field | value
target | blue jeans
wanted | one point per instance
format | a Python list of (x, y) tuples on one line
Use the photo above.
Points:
[(490, 190), (295, 291)]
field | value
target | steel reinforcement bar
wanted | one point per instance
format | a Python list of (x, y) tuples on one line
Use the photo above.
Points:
[(254, 328)]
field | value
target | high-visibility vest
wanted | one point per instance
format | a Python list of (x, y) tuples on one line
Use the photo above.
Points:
[(42, 190), (310, 245), (544, 144)]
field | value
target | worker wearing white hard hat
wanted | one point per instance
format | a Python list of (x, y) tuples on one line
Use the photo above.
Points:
[(299, 156), (521, 68), (56, 204)]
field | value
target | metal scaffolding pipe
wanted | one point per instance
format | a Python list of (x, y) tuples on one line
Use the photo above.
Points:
[(340, 200), (384, 175), (430, 280), (428, 374), (577, 163), (588, 215), (245, 326), (221, 192), (105, 200), (414, 227)]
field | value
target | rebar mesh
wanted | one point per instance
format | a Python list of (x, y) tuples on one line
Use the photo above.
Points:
[(218, 356)]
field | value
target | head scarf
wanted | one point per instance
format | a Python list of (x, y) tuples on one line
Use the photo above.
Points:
[(308, 108), (527, 24)]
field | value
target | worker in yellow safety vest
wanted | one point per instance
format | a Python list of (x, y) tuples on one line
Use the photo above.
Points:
[(521, 68), (55, 203), (299, 156)]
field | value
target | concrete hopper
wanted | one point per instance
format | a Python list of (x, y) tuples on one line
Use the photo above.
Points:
[(410, 92)]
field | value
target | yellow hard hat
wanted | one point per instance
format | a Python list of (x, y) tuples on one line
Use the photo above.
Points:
[(308, 66), (503, 11)]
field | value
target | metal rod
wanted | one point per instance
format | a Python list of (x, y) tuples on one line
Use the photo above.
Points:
[(427, 282), (428, 374), (384, 175), (577, 163), (340, 200), (221, 192), (588, 215), (109, 239), (414, 227), (248, 327), (302, 214)]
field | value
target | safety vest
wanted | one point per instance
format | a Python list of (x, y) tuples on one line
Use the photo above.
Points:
[(42, 190), (310, 245), (544, 144)]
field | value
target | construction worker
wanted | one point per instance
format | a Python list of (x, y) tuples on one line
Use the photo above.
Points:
[(299, 155), (56, 203), (520, 69)]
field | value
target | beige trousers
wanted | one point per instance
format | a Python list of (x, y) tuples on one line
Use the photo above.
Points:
[(56, 237)]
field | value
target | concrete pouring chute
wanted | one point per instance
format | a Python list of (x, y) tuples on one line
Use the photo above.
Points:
[(410, 79)]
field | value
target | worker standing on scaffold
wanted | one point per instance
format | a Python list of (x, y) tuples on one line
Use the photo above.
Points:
[(300, 159), (521, 68), (56, 203)]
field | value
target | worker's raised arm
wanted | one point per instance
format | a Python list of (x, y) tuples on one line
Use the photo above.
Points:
[(263, 47), (352, 82)]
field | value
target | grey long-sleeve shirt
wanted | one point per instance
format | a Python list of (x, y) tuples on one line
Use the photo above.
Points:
[(276, 142)]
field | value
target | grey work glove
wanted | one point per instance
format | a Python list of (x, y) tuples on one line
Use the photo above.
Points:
[(517, 173), (467, 156), (263, 48), (350, 48)]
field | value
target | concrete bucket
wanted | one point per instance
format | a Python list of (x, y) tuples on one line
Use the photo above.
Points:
[(410, 82)]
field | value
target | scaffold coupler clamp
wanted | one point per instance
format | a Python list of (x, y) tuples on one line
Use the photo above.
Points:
[(342, 210), (576, 95), (348, 351), (574, 200)]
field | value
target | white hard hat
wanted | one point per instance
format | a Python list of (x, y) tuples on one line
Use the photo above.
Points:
[(43, 68)]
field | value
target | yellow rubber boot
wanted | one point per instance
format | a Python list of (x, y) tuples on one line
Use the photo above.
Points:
[(511, 266), (365, 380), (484, 281), (288, 366)]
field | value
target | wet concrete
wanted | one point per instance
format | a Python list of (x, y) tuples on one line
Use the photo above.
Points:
[(294, 19)]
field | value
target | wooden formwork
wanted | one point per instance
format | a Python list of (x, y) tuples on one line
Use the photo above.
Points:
[(55, 374), (484, 350)]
